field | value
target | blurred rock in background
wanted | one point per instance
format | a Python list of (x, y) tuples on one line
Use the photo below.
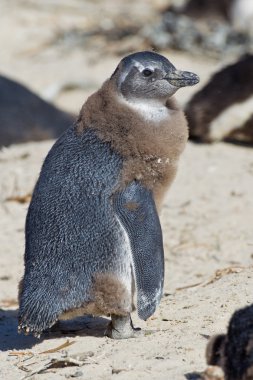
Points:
[(216, 28)]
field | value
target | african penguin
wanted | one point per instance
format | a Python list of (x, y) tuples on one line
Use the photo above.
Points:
[(223, 108), (93, 234), (233, 352), (24, 116)]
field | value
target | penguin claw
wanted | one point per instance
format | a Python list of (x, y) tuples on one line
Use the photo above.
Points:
[(23, 328)]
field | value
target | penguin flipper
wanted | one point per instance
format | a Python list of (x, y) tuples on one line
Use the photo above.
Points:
[(136, 211)]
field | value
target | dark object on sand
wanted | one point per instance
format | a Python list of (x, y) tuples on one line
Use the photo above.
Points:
[(24, 116), (207, 8), (233, 352)]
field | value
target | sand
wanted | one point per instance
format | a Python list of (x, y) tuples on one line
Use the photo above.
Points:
[(207, 225)]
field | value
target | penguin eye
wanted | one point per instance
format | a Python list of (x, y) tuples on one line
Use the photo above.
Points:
[(147, 73)]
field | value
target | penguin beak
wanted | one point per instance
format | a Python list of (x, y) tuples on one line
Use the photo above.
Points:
[(182, 78)]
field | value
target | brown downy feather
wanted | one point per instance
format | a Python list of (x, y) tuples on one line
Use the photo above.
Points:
[(109, 296), (150, 149)]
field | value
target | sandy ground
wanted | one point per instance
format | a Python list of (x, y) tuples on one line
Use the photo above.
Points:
[(207, 224)]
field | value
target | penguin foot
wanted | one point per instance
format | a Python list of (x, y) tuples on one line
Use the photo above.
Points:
[(121, 327)]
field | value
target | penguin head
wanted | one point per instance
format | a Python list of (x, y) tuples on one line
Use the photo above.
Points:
[(150, 76)]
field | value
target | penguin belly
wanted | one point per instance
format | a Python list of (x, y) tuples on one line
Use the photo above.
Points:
[(77, 256)]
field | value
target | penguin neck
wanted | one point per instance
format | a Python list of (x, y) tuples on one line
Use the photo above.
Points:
[(149, 109), (126, 128)]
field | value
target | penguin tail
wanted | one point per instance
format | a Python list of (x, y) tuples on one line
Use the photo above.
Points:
[(37, 314)]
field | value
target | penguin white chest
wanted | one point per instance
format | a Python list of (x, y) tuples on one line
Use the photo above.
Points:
[(231, 118)]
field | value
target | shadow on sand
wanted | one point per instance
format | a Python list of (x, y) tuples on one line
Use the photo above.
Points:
[(11, 340)]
